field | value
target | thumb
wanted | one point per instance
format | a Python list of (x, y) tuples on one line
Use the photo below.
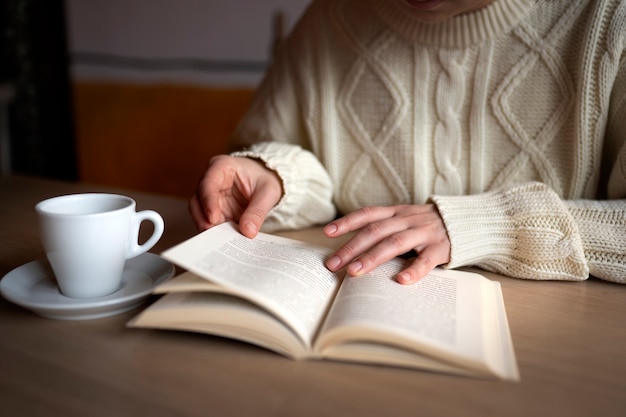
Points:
[(261, 202)]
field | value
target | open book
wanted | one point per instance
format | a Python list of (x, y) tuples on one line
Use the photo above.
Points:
[(276, 293)]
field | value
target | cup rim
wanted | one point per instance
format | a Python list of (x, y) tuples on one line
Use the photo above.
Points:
[(44, 207)]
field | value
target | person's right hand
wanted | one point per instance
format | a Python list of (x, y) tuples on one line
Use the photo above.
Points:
[(238, 189)]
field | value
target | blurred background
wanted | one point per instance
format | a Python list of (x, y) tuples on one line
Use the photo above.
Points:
[(132, 93)]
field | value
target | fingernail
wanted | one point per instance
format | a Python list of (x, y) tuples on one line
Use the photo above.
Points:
[(355, 267), (333, 262), (403, 278), (330, 229), (251, 229)]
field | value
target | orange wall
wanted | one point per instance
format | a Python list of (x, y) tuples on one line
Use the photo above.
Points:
[(157, 138)]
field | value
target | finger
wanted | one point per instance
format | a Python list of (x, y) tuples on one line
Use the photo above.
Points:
[(425, 262), (378, 240), (210, 191), (217, 188), (197, 214), (357, 219), (261, 202), (388, 248)]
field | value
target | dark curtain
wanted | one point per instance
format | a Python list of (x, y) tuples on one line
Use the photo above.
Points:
[(34, 61)]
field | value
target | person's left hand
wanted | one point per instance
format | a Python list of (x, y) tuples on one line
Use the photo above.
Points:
[(383, 233)]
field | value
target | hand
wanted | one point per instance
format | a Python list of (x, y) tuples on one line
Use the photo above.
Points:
[(386, 232), (235, 189)]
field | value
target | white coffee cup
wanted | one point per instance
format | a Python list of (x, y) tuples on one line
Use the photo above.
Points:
[(89, 237)]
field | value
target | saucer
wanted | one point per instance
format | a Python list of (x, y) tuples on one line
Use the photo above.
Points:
[(33, 286)]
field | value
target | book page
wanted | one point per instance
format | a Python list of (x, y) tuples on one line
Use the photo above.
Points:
[(284, 276), (190, 282), (442, 315), (221, 315)]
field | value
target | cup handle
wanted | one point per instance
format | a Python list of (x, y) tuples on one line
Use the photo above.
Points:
[(135, 248)]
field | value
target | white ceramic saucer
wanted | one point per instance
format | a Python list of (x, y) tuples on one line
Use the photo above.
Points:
[(33, 286)]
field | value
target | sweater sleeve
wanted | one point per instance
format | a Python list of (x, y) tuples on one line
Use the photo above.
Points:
[(523, 232), (602, 226), (528, 232)]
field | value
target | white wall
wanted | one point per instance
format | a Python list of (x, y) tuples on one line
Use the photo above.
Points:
[(175, 41)]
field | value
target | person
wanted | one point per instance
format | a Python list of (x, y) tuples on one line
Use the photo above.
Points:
[(489, 133)]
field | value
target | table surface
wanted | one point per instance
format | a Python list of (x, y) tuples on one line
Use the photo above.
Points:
[(569, 338)]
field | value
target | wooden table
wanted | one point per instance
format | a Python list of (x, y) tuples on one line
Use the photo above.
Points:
[(570, 340)]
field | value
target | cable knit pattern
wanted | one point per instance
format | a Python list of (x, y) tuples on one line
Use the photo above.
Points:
[(447, 140), (512, 119)]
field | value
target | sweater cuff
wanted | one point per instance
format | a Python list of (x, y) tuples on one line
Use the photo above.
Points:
[(602, 226), (308, 190), (522, 232)]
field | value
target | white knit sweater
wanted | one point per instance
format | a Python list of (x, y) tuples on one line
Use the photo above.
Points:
[(511, 119)]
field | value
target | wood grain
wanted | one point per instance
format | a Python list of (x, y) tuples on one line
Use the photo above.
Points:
[(570, 341)]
